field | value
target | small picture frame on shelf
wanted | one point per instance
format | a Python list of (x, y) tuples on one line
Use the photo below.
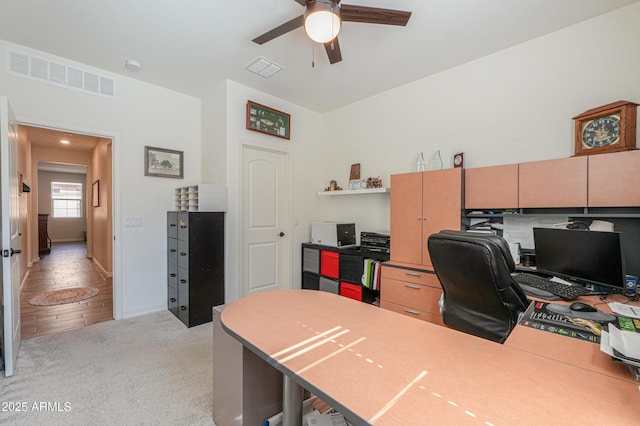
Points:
[(163, 162)]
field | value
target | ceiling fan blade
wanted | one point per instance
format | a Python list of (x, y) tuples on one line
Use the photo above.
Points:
[(333, 50), (374, 15), (280, 30), (302, 2)]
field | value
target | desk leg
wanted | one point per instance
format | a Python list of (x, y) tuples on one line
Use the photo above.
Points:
[(291, 402)]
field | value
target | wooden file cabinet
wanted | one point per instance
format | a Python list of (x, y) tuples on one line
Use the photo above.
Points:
[(195, 265), (411, 292)]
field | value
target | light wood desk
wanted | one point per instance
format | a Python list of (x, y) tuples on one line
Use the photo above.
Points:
[(379, 367)]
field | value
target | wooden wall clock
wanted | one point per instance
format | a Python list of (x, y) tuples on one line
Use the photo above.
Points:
[(608, 128)]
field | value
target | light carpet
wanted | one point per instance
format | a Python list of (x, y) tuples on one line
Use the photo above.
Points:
[(147, 370)]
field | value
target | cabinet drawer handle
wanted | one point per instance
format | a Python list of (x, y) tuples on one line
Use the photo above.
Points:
[(173, 225), (413, 274), (417, 287), (173, 299), (183, 308), (183, 254), (411, 311), (172, 275), (173, 250), (183, 281)]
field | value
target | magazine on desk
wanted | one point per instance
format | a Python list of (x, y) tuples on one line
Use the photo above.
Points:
[(539, 316)]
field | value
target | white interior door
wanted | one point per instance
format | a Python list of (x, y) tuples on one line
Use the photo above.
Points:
[(265, 264), (10, 236)]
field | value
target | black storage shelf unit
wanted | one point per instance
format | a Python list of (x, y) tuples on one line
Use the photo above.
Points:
[(350, 269), (195, 265)]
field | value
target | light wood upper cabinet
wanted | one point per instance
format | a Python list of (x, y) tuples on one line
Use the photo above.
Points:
[(423, 203), (491, 187), (553, 183), (613, 179)]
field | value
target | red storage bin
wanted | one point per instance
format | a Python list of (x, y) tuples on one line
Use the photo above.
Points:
[(352, 291), (330, 264)]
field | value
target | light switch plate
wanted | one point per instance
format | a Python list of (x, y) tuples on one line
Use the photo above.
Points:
[(133, 221)]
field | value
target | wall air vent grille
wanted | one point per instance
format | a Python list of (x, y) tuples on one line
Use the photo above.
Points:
[(59, 74)]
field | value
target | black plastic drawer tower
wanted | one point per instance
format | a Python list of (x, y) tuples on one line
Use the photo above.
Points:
[(195, 265)]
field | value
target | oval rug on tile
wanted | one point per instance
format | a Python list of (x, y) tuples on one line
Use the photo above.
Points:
[(65, 295)]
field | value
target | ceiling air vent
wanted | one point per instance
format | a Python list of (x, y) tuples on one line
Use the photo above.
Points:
[(263, 67), (59, 74)]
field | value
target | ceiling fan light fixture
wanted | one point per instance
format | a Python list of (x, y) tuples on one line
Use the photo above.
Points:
[(322, 20)]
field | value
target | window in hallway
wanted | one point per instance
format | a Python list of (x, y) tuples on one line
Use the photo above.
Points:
[(66, 199)]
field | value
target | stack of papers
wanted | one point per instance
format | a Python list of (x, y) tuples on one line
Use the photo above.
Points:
[(626, 310), (326, 419), (623, 346)]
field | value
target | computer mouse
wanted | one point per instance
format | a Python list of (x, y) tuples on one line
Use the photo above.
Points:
[(582, 307)]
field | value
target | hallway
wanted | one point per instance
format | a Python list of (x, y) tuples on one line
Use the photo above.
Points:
[(66, 266)]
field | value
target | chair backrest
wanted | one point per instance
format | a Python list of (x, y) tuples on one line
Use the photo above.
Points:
[(480, 296)]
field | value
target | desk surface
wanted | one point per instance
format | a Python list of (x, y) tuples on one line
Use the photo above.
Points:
[(380, 367)]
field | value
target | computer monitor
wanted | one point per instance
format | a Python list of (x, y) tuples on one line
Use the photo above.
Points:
[(584, 257)]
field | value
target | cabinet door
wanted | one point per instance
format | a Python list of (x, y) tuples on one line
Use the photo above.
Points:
[(613, 179), (406, 218), (442, 204), (554, 183), (491, 187)]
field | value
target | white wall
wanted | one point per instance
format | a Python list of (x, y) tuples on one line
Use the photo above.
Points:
[(513, 106), (304, 149), (62, 229), (141, 114)]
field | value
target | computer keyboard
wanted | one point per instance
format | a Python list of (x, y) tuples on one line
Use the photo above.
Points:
[(563, 291)]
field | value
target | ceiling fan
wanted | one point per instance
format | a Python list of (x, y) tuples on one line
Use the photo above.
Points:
[(323, 18)]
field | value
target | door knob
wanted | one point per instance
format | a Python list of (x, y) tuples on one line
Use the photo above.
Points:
[(15, 252), (281, 234)]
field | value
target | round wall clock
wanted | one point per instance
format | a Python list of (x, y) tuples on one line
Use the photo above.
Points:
[(458, 160), (608, 128)]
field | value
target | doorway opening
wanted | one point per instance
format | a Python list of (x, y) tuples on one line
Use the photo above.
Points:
[(70, 230)]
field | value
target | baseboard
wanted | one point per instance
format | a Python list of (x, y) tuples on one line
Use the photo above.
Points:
[(143, 311), (67, 240), (24, 281), (104, 272)]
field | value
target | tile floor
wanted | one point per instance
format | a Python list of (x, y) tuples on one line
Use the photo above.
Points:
[(66, 266)]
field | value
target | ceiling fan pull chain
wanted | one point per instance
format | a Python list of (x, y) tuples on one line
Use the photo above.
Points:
[(313, 55)]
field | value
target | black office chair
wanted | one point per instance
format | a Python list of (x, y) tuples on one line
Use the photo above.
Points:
[(480, 297)]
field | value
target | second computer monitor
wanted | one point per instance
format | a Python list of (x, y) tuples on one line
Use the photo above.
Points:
[(586, 257)]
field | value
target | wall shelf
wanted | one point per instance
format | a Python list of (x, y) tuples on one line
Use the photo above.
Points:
[(356, 191)]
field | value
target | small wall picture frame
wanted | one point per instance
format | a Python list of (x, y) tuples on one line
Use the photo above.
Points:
[(95, 194), (261, 118), (161, 162)]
